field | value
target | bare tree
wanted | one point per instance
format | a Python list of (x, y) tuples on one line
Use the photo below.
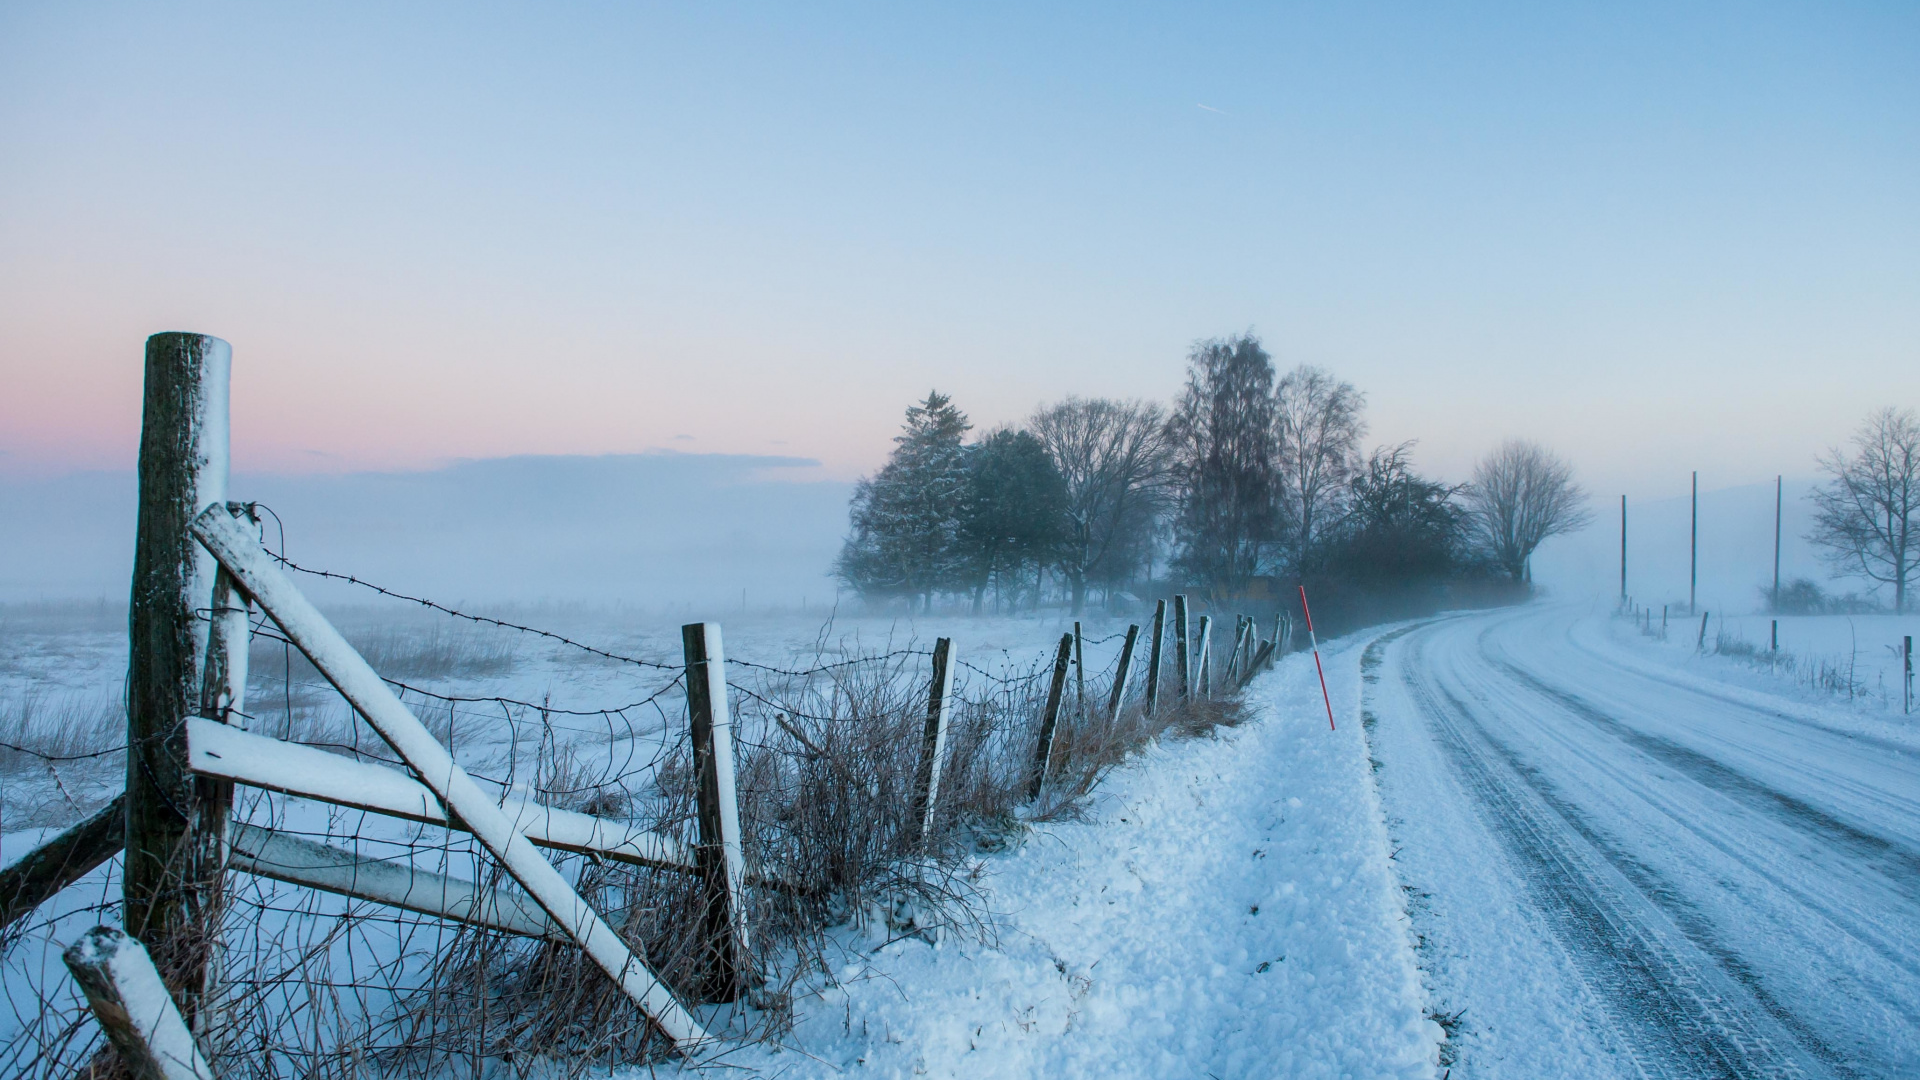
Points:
[(1113, 456), (1521, 494), (1222, 434), (1317, 432), (1866, 512)]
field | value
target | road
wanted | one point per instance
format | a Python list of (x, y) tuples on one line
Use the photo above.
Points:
[(1618, 867)]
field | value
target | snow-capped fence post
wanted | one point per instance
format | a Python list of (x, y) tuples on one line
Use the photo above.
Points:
[(37, 876), (1153, 656), (174, 821), (134, 1008), (722, 861), (1119, 694), (1049, 720), (933, 745), (1203, 673), (1181, 658)]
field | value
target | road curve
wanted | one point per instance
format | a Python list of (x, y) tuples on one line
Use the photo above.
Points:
[(1617, 869)]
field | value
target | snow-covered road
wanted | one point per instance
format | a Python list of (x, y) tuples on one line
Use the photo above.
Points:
[(1621, 864)]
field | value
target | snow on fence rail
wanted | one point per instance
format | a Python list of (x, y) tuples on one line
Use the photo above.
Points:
[(201, 572)]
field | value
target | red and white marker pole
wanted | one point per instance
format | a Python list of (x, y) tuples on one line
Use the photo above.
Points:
[(1304, 610)]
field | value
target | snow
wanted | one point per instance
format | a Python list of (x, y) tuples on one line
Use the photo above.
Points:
[(1224, 907), (1627, 859), (1164, 979)]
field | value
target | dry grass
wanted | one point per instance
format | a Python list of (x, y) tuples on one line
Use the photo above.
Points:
[(826, 765)]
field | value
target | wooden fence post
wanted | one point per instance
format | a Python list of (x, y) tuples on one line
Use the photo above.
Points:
[(933, 745), (134, 1007), (1079, 671), (1701, 645), (171, 882), (1203, 676), (722, 861), (1043, 753), (1120, 677), (1153, 656), (37, 876), (1181, 657)]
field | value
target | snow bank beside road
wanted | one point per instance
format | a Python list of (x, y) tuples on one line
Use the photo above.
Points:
[(1225, 908)]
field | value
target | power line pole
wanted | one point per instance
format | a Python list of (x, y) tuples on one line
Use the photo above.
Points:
[(1693, 550), (1623, 552), (1778, 489)]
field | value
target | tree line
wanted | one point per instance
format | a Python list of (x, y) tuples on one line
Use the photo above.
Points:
[(1249, 479)]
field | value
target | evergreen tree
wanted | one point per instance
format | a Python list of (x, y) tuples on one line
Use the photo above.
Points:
[(907, 517), (1017, 512)]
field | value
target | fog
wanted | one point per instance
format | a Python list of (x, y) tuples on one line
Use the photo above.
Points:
[(656, 530), (1736, 549), (719, 531)]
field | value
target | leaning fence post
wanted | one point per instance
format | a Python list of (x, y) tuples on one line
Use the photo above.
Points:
[(134, 1007), (1701, 645), (1181, 657), (171, 880), (1153, 656), (719, 854), (933, 745), (1043, 753), (1120, 677)]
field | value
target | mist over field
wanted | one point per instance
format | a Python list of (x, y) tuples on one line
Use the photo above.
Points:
[(658, 531)]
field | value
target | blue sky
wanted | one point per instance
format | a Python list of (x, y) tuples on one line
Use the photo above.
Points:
[(1654, 237)]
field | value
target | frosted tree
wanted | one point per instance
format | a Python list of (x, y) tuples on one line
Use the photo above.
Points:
[(907, 517), (1222, 440), (1113, 457), (1866, 512), (1520, 495), (1317, 432)]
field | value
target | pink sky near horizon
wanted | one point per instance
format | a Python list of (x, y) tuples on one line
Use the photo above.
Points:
[(1649, 243)]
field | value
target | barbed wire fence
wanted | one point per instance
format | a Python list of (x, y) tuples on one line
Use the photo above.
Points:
[(836, 826)]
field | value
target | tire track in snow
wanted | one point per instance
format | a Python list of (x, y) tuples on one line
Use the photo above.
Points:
[(1607, 907), (1899, 865)]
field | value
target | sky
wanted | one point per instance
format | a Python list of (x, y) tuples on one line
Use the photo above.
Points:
[(1654, 237)]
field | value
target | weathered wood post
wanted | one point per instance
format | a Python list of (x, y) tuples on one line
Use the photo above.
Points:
[(1701, 645), (1079, 672), (1181, 657), (1203, 677), (1908, 705), (722, 861), (1043, 752), (1119, 694), (1153, 656), (134, 1007), (174, 822), (933, 745)]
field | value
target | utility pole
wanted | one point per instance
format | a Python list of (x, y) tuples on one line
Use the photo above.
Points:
[(1623, 552), (1693, 551), (1778, 489)]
